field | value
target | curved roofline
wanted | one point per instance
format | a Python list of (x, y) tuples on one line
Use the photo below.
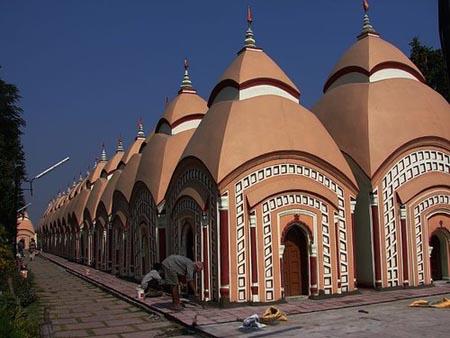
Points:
[(289, 154), (380, 66), (417, 142), (251, 83), (187, 118)]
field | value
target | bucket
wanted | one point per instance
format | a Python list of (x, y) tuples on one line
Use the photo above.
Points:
[(24, 273), (140, 293)]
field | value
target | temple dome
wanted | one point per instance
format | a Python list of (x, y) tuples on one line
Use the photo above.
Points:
[(253, 73), (159, 160), (255, 104), (382, 116), (186, 106), (266, 125), (174, 130), (185, 111), (372, 59), (386, 108), (24, 224)]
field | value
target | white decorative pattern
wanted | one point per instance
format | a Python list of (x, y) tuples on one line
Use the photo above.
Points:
[(200, 180), (275, 203), (280, 170), (406, 169), (420, 247)]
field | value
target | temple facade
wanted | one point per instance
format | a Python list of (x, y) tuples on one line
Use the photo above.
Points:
[(25, 229), (275, 199)]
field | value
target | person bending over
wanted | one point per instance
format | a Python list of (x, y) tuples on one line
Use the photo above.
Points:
[(151, 282), (176, 266)]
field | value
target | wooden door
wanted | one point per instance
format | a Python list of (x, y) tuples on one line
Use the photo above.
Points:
[(295, 263), (435, 259)]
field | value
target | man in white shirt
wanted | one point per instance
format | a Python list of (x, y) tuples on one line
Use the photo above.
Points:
[(152, 281)]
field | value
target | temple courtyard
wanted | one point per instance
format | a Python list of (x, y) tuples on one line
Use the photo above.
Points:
[(89, 303)]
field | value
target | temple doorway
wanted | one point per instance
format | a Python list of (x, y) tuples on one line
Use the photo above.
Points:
[(295, 262), (188, 241), (436, 258)]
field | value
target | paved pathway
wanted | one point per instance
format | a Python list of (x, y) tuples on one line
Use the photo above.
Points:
[(394, 319), (211, 316), (80, 309)]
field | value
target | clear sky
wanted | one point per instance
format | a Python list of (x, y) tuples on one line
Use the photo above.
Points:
[(88, 70)]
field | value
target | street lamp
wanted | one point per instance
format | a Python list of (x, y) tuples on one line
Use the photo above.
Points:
[(46, 171), (23, 208)]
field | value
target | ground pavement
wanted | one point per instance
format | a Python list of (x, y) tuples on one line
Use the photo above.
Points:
[(216, 321), (393, 319), (79, 309)]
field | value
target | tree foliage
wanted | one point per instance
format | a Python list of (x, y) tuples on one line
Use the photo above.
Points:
[(432, 65), (12, 162)]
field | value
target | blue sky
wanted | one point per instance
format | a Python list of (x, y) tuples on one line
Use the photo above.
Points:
[(88, 70)]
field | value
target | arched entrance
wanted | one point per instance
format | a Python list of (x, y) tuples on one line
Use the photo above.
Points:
[(439, 246), (295, 262)]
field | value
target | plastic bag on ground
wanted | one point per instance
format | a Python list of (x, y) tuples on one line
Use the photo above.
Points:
[(252, 322)]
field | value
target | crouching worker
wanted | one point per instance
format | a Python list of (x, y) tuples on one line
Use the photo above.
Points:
[(151, 283), (176, 266)]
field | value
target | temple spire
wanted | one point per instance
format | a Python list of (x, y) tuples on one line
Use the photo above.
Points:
[(119, 145), (103, 155), (140, 133), (367, 26), (186, 83), (249, 36)]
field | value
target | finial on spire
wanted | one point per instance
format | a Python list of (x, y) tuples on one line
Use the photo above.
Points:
[(81, 177), (140, 133), (365, 6), (103, 155), (367, 27), (186, 83), (249, 36), (166, 101), (119, 145)]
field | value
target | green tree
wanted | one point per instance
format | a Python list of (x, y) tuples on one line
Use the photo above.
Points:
[(432, 65), (12, 162)]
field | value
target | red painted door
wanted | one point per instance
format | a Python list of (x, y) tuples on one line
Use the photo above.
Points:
[(292, 278)]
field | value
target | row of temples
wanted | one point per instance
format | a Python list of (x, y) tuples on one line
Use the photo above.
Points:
[(275, 199)]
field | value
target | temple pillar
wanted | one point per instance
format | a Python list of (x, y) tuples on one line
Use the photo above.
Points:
[(376, 239), (314, 288), (352, 209), (404, 231), (205, 258), (103, 254), (338, 259), (282, 270), (224, 250), (109, 245), (254, 259)]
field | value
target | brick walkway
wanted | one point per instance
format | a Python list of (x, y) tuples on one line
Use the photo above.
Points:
[(80, 309), (214, 315)]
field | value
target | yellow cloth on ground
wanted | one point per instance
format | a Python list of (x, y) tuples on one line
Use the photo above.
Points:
[(272, 314), (442, 304)]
